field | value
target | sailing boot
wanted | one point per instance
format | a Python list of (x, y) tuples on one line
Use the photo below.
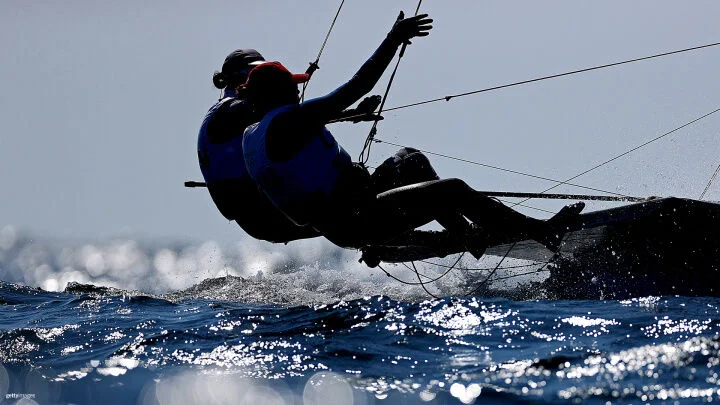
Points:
[(476, 241), (554, 229), (370, 257)]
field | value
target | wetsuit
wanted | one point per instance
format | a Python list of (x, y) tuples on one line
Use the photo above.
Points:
[(303, 170), (298, 163), (235, 194)]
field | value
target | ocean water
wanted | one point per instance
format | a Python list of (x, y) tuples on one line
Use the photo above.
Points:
[(127, 321)]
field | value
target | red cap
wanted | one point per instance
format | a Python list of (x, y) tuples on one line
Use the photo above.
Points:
[(273, 72)]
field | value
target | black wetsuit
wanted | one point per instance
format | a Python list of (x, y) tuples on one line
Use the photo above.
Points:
[(355, 215)]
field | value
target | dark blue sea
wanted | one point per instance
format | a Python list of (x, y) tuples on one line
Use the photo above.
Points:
[(127, 321)]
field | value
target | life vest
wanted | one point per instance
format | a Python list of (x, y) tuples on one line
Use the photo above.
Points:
[(220, 161), (311, 174)]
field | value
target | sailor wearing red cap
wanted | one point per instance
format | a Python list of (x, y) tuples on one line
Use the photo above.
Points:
[(311, 178)]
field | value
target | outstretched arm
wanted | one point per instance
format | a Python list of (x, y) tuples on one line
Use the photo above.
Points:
[(323, 109)]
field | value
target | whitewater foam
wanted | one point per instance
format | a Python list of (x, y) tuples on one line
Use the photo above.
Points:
[(301, 272)]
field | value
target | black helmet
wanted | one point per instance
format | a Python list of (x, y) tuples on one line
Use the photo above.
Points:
[(236, 67)]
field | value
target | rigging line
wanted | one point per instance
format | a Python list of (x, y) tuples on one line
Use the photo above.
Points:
[(628, 152), (584, 197), (540, 270), (314, 65), (430, 280), (365, 153), (387, 273), (448, 98), (478, 269), (526, 206), (504, 170), (709, 183), (454, 266), (421, 282), (492, 272), (332, 25)]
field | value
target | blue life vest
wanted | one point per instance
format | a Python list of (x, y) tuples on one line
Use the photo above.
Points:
[(220, 161), (312, 172)]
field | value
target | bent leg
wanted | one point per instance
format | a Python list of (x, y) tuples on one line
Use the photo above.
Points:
[(423, 202), (396, 212), (414, 245), (407, 167)]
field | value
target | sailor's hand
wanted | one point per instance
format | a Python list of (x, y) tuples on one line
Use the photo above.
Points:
[(411, 27), (355, 116), (364, 110), (369, 104)]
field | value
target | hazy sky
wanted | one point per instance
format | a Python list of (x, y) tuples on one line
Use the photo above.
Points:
[(101, 101)]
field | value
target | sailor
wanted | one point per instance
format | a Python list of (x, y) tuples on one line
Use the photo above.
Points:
[(220, 154), (312, 179)]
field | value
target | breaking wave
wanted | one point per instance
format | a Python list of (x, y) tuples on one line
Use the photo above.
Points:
[(307, 271)]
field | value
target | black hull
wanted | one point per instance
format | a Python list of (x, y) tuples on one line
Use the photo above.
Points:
[(668, 246)]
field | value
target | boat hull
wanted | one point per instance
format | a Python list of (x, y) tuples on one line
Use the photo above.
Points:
[(668, 246), (665, 246)]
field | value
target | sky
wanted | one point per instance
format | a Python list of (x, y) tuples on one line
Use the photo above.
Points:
[(101, 101)]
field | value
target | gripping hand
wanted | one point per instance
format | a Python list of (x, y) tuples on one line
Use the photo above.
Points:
[(369, 104), (364, 110), (411, 27)]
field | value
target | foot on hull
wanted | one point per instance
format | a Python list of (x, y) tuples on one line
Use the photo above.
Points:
[(476, 242), (559, 224), (370, 257)]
